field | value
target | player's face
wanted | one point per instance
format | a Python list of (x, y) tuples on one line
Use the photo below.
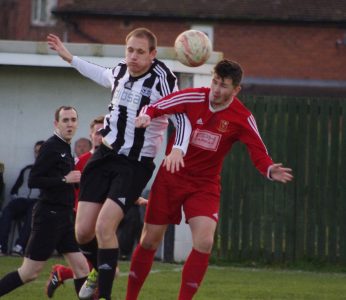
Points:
[(222, 91), (95, 135), (81, 147), (67, 125), (138, 57)]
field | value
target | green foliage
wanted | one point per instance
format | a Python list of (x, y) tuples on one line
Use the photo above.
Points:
[(220, 283)]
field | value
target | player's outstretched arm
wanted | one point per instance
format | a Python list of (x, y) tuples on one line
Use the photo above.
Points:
[(174, 160), (56, 44), (280, 173)]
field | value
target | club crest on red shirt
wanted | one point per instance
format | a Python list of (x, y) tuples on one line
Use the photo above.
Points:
[(223, 126)]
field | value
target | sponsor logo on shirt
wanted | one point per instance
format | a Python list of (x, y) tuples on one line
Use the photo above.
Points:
[(125, 97), (206, 139)]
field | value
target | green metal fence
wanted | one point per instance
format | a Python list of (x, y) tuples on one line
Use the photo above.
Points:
[(306, 219)]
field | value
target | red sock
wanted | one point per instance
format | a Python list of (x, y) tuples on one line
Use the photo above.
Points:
[(193, 273), (64, 272), (141, 262)]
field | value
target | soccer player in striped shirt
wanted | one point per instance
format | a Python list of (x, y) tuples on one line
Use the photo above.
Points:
[(218, 120), (120, 168)]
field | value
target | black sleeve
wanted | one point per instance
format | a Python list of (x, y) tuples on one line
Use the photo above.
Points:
[(41, 175)]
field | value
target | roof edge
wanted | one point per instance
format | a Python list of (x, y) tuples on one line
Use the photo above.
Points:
[(143, 15)]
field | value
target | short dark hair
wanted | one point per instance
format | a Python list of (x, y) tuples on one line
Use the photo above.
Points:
[(98, 120), (144, 33), (229, 69), (63, 107)]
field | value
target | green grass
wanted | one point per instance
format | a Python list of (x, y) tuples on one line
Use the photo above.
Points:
[(220, 283)]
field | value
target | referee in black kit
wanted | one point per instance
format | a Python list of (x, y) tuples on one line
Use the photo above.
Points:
[(52, 224)]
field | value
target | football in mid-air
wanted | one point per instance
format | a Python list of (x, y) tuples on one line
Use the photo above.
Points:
[(192, 48)]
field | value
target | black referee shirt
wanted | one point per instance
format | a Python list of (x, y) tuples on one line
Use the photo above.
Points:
[(52, 164)]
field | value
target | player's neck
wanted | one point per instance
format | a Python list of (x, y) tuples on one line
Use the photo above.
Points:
[(220, 106)]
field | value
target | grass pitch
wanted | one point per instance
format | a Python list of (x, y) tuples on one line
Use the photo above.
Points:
[(220, 283)]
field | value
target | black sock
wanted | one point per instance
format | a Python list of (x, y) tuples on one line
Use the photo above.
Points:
[(90, 251), (10, 282), (78, 282), (107, 263)]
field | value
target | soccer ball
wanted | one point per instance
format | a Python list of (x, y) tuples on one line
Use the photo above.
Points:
[(192, 48)]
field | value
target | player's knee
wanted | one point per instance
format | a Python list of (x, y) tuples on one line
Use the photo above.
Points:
[(150, 243), (204, 245), (83, 236), (104, 233)]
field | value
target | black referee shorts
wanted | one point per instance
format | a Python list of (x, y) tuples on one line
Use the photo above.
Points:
[(52, 229), (109, 175)]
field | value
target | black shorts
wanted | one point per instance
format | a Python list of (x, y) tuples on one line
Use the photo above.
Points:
[(109, 175), (52, 229)]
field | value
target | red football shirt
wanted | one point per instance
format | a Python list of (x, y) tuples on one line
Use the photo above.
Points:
[(213, 132)]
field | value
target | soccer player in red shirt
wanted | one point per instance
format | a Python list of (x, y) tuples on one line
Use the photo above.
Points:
[(192, 182)]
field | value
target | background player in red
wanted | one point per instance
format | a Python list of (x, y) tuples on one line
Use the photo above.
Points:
[(218, 120)]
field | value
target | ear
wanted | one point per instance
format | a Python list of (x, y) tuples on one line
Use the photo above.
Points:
[(153, 54), (236, 90)]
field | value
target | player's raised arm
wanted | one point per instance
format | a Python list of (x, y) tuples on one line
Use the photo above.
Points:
[(56, 44)]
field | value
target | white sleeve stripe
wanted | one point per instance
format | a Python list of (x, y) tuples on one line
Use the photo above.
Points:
[(179, 137), (144, 110), (253, 125), (180, 98), (163, 75), (176, 103)]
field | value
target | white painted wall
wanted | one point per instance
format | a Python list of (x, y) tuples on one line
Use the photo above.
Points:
[(29, 97)]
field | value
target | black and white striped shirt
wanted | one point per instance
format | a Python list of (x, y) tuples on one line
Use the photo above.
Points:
[(129, 95)]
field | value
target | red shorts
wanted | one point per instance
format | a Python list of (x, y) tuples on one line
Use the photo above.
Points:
[(198, 196)]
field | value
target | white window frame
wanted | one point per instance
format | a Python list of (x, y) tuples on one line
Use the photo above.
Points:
[(185, 80), (207, 29), (37, 18)]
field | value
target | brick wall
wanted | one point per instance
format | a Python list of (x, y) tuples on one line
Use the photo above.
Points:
[(264, 50), (268, 50)]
